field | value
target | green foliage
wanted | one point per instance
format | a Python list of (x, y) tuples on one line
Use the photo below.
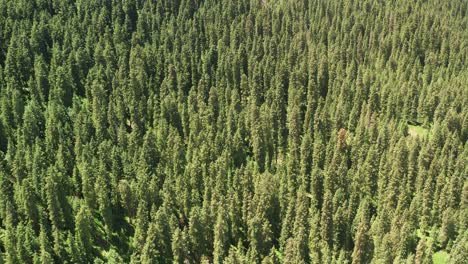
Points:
[(418, 131), (440, 257), (248, 131)]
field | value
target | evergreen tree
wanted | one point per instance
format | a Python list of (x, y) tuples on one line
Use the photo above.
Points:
[(84, 234)]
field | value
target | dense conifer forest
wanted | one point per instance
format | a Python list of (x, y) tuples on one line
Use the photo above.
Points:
[(233, 131)]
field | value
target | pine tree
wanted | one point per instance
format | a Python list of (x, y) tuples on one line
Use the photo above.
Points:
[(199, 243), (40, 84), (54, 200), (221, 236), (99, 108), (326, 220), (45, 247), (180, 246), (362, 252), (9, 238), (141, 225), (33, 122), (423, 252), (84, 234), (157, 248), (459, 251)]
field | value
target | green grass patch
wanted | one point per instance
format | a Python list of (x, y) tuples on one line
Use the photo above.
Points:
[(440, 257), (418, 131)]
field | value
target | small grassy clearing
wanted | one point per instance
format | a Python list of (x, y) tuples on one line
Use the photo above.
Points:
[(418, 131), (440, 257)]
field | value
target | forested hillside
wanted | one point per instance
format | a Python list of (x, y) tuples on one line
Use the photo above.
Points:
[(233, 131)]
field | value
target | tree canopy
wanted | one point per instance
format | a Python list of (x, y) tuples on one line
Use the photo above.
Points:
[(247, 131)]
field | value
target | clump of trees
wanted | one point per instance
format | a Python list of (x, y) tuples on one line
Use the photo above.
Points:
[(248, 131)]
